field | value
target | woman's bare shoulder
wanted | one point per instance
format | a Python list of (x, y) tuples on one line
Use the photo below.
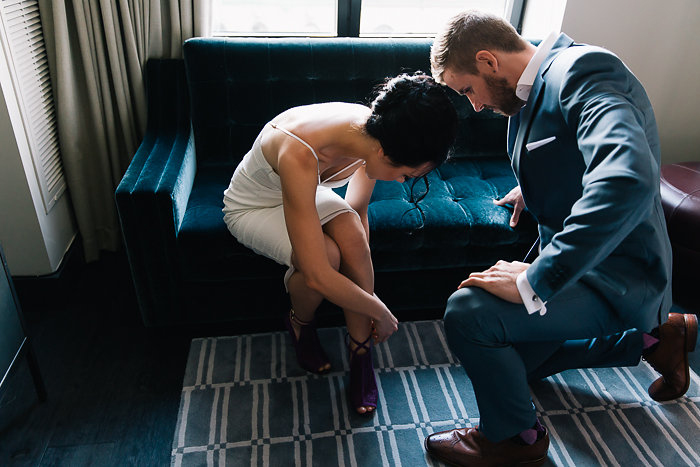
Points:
[(322, 126)]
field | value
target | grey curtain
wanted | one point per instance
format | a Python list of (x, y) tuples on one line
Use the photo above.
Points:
[(97, 53)]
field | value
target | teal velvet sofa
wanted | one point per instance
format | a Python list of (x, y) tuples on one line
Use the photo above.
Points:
[(203, 115)]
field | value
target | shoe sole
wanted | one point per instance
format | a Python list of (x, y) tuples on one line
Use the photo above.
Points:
[(529, 463), (691, 324), (691, 335), (532, 463)]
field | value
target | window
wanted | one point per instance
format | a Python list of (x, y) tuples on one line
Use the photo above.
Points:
[(274, 17), (417, 17), (367, 18)]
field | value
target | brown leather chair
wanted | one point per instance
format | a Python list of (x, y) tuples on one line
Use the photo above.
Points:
[(680, 196)]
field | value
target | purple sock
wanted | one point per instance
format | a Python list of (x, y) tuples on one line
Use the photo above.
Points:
[(648, 340), (531, 435)]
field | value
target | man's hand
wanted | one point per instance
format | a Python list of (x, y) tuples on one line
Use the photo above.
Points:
[(498, 280), (515, 199)]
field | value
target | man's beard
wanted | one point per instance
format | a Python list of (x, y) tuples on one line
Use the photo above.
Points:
[(506, 102)]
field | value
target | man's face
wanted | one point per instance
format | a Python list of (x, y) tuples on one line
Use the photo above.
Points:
[(485, 91)]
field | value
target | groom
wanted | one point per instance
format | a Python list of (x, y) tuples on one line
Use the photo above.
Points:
[(585, 150)]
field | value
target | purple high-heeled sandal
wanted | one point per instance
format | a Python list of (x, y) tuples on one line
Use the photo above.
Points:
[(310, 353), (363, 385)]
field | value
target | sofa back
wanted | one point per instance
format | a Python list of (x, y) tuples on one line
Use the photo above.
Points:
[(236, 85)]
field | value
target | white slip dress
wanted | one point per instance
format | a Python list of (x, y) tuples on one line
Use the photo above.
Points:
[(253, 209)]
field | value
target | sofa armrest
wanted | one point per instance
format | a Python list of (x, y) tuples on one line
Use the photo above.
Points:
[(153, 193)]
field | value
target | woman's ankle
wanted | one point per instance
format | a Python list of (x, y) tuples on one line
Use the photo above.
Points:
[(298, 321), (354, 350), (359, 347)]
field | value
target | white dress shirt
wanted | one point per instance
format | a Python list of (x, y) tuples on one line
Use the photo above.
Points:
[(527, 79)]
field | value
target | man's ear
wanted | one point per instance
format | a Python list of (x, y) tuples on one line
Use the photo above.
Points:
[(486, 62)]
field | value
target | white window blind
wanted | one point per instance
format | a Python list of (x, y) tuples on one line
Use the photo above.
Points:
[(23, 41)]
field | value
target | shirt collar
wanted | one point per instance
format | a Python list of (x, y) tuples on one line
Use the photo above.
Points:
[(527, 79)]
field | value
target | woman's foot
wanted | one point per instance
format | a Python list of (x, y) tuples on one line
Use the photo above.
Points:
[(310, 354), (363, 391)]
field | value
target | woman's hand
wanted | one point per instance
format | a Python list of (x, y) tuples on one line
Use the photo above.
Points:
[(385, 326), (515, 199)]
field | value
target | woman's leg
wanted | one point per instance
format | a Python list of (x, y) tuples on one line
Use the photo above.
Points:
[(355, 264), (304, 300)]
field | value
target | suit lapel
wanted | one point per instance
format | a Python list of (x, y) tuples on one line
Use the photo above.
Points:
[(513, 124), (533, 103)]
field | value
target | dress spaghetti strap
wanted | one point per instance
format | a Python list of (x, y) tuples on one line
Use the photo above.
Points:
[(318, 168), (359, 161)]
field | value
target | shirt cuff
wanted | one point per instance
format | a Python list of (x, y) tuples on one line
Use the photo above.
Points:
[(532, 302)]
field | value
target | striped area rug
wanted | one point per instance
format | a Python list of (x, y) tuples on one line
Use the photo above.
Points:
[(246, 402)]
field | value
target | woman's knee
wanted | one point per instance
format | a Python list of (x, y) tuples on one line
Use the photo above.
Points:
[(349, 234), (332, 252)]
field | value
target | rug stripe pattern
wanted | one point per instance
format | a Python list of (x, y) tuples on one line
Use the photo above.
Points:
[(245, 401)]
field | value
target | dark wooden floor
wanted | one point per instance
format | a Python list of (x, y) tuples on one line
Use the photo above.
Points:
[(113, 386)]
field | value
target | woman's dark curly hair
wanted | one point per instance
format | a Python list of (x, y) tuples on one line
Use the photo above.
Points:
[(413, 119)]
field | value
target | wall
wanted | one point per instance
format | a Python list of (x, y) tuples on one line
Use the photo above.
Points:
[(34, 241), (658, 41)]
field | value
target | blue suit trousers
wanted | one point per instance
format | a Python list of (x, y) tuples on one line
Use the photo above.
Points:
[(501, 347)]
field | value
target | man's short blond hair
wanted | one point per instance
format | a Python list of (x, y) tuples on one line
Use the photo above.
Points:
[(466, 34)]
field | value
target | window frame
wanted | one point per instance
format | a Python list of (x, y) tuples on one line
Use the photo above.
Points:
[(348, 20), (349, 16)]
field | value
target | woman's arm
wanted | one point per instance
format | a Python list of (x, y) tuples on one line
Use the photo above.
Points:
[(358, 195), (298, 173)]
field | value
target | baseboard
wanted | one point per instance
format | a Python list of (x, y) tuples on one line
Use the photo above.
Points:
[(49, 290)]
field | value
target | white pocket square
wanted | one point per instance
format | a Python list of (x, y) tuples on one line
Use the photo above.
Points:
[(538, 144)]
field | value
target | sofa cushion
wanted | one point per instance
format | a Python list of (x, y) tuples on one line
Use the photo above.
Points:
[(207, 250), (457, 211)]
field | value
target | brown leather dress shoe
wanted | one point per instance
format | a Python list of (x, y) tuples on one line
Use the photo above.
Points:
[(468, 447), (670, 358)]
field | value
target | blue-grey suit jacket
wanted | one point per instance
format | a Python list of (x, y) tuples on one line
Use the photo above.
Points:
[(594, 189)]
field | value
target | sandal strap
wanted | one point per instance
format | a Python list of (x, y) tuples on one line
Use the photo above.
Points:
[(366, 344), (310, 353), (293, 317)]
